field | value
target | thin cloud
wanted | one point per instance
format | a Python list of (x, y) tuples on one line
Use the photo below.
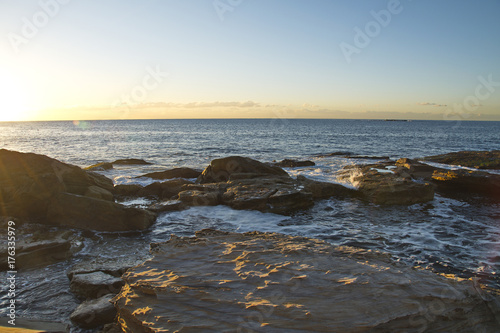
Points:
[(246, 104), (432, 104), (193, 105)]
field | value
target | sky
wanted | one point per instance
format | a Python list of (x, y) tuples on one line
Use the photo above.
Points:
[(351, 59)]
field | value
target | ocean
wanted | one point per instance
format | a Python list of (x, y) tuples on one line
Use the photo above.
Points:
[(447, 236)]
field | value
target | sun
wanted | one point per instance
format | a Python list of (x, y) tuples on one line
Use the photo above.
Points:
[(14, 102)]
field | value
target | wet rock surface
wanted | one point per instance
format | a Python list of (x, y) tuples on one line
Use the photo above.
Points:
[(408, 181), (37, 247), (240, 183), (386, 184), (164, 190), (100, 166), (95, 282), (456, 182), (220, 170), (94, 313), (131, 161), (173, 173), (472, 159), (287, 163), (114, 267), (249, 184), (94, 285), (225, 282)]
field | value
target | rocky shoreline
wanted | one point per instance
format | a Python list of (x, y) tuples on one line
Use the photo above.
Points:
[(41, 193), (265, 282)]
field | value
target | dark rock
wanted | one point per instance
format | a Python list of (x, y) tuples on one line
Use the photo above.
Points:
[(324, 190), (286, 163), (389, 187), (169, 206), (387, 190), (100, 166), (95, 284), (101, 181), (220, 170), (367, 157), (42, 248), (472, 159), (94, 313), (279, 195), (88, 213), (99, 193), (111, 328), (127, 190), (28, 181), (243, 183), (36, 188), (467, 182), (173, 173), (458, 182), (337, 153), (164, 190), (200, 198), (112, 266), (131, 161)]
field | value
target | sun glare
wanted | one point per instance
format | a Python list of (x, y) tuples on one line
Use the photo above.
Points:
[(13, 100)]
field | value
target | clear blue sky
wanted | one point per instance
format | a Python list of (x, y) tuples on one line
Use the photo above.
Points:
[(264, 58)]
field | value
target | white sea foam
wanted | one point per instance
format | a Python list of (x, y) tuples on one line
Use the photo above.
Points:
[(459, 167)]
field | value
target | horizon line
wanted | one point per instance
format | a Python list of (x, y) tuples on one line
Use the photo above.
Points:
[(296, 118)]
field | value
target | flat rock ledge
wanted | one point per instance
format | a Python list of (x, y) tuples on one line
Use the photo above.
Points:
[(472, 159), (266, 282)]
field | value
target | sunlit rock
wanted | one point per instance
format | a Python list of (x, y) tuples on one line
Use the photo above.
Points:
[(229, 282)]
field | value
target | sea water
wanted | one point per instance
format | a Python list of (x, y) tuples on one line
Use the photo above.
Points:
[(445, 235)]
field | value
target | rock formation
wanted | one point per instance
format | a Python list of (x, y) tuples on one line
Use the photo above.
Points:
[(37, 188), (393, 186), (287, 163), (220, 170), (244, 183), (458, 182), (408, 181), (37, 246), (130, 161), (96, 282), (173, 173), (472, 159), (100, 166), (94, 313), (94, 285), (262, 282)]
